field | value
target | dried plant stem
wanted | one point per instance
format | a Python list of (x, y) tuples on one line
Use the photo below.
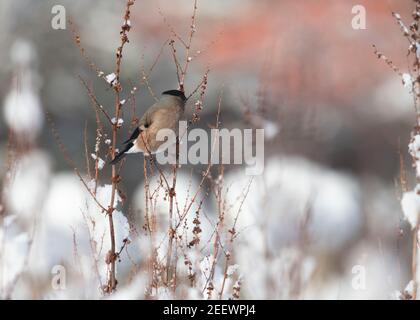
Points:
[(148, 225), (146, 198), (171, 230), (411, 80), (219, 226), (95, 101), (146, 75), (114, 179), (225, 275), (188, 47), (233, 235), (414, 260), (112, 282), (86, 151)]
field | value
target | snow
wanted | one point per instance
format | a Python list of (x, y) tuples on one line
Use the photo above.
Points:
[(414, 150), (22, 52), (410, 204), (407, 80), (23, 112), (110, 78), (31, 172), (22, 105), (71, 216), (408, 292), (418, 50), (101, 163), (186, 186), (271, 129), (205, 268), (14, 248), (295, 185), (9, 220), (409, 289), (60, 212), (119, 122), (377, 270), (288, 188), (396, 295), (132, 291), (410, 201), (232, 269)]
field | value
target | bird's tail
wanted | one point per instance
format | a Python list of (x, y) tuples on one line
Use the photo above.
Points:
[(120, 155)]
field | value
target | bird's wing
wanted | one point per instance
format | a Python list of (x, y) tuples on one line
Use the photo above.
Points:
[(148, 116), (144, 122), (120, 155)]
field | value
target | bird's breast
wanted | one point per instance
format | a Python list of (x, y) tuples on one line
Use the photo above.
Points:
[(167, 118)]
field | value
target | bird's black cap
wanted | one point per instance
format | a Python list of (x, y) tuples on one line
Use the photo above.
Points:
[(176, 93)]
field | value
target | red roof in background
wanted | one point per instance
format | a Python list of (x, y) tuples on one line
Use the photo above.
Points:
[(314, 50)]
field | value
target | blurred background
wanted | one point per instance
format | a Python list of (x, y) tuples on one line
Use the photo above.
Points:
[(337, 124)]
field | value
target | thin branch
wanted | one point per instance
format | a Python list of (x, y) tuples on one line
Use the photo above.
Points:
[(95, 101)]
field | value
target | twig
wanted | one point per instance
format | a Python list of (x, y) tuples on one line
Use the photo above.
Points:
[(125, 28), (95, 101)]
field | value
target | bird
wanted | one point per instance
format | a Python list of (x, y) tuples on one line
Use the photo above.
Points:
[(164, 114)]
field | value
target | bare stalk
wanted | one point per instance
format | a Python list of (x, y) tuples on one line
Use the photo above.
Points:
[(410, 80), (112, 281), (414, 260), (171, 213)]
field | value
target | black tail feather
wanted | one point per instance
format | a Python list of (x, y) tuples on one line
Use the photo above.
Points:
[(120, 155), (117, 158), (133, 136)]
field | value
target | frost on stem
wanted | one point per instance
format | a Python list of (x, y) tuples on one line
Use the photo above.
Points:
[(101, 163), (403, 27), (408, 292), (410, 204), (414, 150), (232, 269), (111, 79), (14, 248), (407, 81), (118, 122), (237, 289), (410, 201)]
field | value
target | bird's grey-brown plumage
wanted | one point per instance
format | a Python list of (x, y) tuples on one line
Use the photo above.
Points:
[(164, 114)]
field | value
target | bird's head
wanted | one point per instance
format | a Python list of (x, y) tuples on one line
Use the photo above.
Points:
[(175, 93)]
